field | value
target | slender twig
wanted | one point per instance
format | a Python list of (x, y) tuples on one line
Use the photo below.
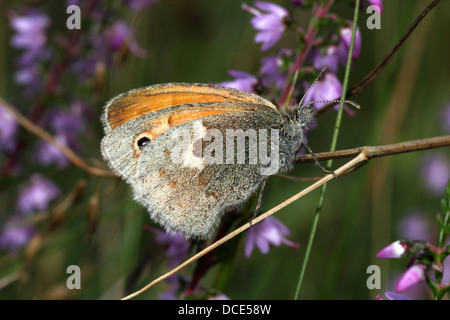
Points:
[(333, 145), (372, 151), (41, 133), (381, 151), (355, 161), (364, 154), (357, 88)]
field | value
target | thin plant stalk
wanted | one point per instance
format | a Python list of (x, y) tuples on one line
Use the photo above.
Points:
[(332, 148)]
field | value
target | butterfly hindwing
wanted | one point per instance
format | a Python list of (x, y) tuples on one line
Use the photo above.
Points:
[(189, 196)]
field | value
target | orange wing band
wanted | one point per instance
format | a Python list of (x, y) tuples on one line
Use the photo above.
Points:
[(138, 102)]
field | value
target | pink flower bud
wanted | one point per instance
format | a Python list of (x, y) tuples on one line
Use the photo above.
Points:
[(396, 249), (411, 277)]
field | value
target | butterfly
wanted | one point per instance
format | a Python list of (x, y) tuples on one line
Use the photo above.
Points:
[(191, 151)]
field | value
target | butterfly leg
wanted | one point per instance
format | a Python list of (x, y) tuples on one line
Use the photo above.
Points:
[(317, 161)]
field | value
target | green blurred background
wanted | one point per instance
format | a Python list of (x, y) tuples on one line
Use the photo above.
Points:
[(199, 41)]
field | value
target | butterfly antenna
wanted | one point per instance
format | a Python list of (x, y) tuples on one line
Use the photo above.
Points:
[(312, 85), (357, 106), (323, 101)]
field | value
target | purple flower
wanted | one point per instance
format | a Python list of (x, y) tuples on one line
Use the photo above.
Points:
[(30, 36), (15, 234), (436, 172), (171, 293), (271, 69), (47, 154), (412, 276), (37, 194), (8, 130), (377, 3), (344, 45), (219, 296), (177, 247), (137, 5), (30, 30), (271, 24), (27, 77), (244, 81), (446, 267), (120, 36), (104, 48), (85, 67), (81, 109), (328, 88), (328, 57), (394, 296), (66, 124), (268, 232), (396, 249)]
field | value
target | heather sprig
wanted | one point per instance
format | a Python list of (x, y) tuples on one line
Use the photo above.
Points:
[(45, 65), (429, 260)]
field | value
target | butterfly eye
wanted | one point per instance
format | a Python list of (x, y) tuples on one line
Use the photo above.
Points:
[(142, 142)]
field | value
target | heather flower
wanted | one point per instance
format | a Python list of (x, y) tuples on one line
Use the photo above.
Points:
[(171, 293), (177, 247), (120, 36), (344, 44), (115, 42), (436, 172), (73, 2), (326, 57), (84, 68), (268, 232), (269, 22), (28, 77), (81, 110), (327, 88), (47, 154), (8, 130), (66, 124), (271, 69), (396, 249), (65, 121), (30, 36), (219, 296), (446, 267), (412, 276), (37, 195), (30, 30), (15, 235), (244, 81), (377, 3)]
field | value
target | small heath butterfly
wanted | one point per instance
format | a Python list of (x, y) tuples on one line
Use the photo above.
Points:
[(190, 151)]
